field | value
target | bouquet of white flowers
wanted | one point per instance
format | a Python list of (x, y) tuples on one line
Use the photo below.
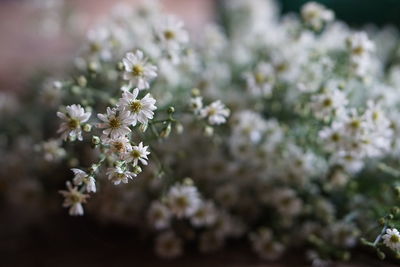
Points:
[(283, 131)]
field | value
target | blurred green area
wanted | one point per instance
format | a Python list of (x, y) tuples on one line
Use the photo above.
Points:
[(355, 12)]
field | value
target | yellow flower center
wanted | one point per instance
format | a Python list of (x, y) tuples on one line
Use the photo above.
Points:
[(136, 106), (181, 202), (355, 124), (135, 154), (169, 35), (137, 70), (395, 239), (119, 146), (359, 50), (327, 102), (259, 77), (73, 123), (115, 123), (335, 137), (95, 47), (212, 111)]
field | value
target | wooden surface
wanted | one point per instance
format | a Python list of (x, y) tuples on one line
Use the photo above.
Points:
[(63, 241)]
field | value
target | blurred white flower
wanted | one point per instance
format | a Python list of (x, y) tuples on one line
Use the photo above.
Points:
[(216, 113), (138, 71), (73, 199)]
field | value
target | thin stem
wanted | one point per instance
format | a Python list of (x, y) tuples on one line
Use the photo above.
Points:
[(379, 237)]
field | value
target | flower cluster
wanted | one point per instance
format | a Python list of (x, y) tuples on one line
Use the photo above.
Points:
[(287, 127)]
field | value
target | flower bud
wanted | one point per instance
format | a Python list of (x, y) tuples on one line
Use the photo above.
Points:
[(179, 128), (188, 181), (82, 82), (143, 127), (87, 127), (120, 66), (95, 140), (171, 110), (76, 90), (137, 169), (71, 138), (380, 254), (93, 67), (208, 131), (195, 92), (166, 131), (395, 210)]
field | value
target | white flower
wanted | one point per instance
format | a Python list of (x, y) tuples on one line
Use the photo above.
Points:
[(196, 104), (316, 15), (52, 150), (73, 118), (51, 93), (360, 48), (206, 214), (264, 245), (261, 81), (286, 201), (183, 200), (82, 177), (168, 245), (116, 122), (136, 154), (119, 144), (141, 109), (117, 175), (171, 33), (216, 113), (99, 43), (159, 215), (392, 239), (360, 45), (138, 71), (73, 199), (330, 102)]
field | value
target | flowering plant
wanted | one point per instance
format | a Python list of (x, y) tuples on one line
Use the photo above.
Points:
[(287, 128)]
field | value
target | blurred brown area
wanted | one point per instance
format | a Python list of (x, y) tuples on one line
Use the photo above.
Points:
[(71, 241), (24, 51)]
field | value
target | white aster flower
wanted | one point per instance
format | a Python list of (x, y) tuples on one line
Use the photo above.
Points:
[(159, 215), (136, 154), (359, 44), (260, 82), (120, 144), (117, 175), (330, 102), (116, 122), (392, 239), (183, 200), (196, 104), (73, 118), (138, 71), (316, 15), (206, 214), (73, 199), (264, 245), (216, 113), (141, 109), (168, 245), (52, 150), (82, 177), (171, 33)]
